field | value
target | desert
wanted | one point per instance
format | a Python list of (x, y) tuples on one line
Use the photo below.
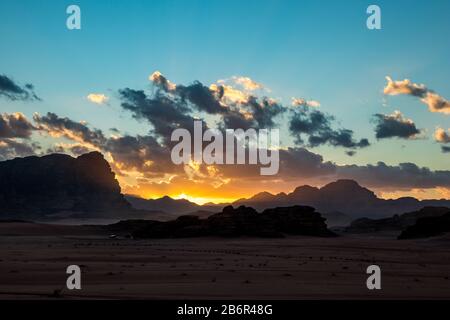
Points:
[(34, 258)]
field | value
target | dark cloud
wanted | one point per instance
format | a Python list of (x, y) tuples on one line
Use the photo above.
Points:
[(13, 91), (15, 125), (75, 149), (299, 162), (350, 153), (65, 127), (201, 97), (394, 126), (163, 113), (246, 112), (404, 175), (264, 111), (141, 153), (445, 149), (11, 148), (317, 126), (295, 163)]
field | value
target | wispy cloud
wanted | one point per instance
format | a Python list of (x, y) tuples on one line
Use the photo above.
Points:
[(13, 91), (303, 102), (434, 101)]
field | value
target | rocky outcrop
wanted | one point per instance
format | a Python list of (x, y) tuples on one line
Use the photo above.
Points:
[(44, 186), (234, 222), (395, 223), (428, 227)]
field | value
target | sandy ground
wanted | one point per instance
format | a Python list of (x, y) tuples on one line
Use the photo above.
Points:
[(33, 261)]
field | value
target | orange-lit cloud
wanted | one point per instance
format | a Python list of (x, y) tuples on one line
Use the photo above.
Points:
[(157, 78), (442, 136), (435, 102), (303, 102), (97, 98)]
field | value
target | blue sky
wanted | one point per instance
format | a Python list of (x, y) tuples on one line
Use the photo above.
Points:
[(319, 50)]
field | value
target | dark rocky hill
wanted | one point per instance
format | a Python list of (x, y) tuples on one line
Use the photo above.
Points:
[(233, 222), (37, 187), (428, 227), (395, 223)]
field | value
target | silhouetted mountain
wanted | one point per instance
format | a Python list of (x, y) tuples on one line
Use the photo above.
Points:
[(395, 223), (169, 205), (233, 222), (165, 204), (38, 187), (345, 196), (428, 227)]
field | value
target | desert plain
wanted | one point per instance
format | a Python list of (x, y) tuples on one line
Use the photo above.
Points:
[(34, 258)]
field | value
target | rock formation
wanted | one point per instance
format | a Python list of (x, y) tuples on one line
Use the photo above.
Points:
[(37, 187), (428, 227), (395, 223), (233, 222)]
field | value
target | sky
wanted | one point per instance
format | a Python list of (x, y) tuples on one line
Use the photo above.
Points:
[(319, 52)]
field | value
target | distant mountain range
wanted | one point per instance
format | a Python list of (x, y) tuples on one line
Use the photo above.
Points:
[(342, 200)]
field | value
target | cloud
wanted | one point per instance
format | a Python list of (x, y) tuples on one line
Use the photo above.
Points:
[(264, 111), (435, 102), (159, 80), (13, 91), (303, 102), (97, 98), (56, 126), (11, 148), (228, 94), (76, 149), (162, 112), (15, 125), (201, 97), (317, 126), (394, 125), (247, 83), (403, 176), (141, 153), (175, 105), (441, 136)]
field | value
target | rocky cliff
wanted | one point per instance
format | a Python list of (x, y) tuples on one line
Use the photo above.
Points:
[(33, 187)]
